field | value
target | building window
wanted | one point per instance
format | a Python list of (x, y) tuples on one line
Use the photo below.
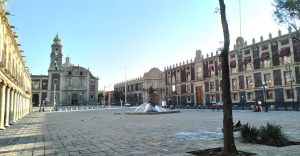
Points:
[(81, 73), (287, 77), (178, 89), (267, 63), (232, 56), (287, 60), (199, 72), (173, 88), (173, 79), (92, 82), (70, 73), (284, 42), (264, 47), (189, 88), (249, 82), (189, 99), (250, 96), (188, 76), (289, 93), (167, 91), (55, 81), (154, 85), (247, 52), (35, 85), (212, 97), (269, 94), (178, 75), (234, 84), (268, 79), (234, 96), (212, 86), (91, 97)]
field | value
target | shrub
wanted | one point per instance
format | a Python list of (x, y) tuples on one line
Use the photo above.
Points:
[(273, 135), (249, 134)]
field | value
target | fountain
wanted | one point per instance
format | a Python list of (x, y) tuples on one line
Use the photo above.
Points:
[(151, 107)]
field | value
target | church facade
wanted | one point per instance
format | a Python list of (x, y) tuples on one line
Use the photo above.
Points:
[(65, 84)]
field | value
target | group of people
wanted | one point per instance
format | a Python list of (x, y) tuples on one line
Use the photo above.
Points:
[(257, 107)]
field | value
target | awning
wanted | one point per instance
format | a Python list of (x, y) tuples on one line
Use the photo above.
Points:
[(264, 56), (247, 60), (284, 51), (232, 64)]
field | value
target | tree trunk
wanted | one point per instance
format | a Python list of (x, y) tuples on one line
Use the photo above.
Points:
[(229, 145)]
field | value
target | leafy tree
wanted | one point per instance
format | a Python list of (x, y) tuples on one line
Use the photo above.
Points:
[(100, 95), (118, 96), (287, 12), (229, 145)]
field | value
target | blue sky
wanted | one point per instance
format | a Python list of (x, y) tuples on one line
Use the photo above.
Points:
[(108, 35)]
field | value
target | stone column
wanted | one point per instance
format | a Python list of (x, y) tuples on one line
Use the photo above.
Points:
[(18, 107), (2, 106), (11, 111), (15, 107), (7, 105), (27, 106), (21, 106)]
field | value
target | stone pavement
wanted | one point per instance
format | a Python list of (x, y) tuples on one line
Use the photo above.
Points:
[(111, 132)]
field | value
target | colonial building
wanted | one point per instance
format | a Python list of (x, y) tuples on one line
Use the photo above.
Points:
[(66, 83), (15, 81), (137, 89), (180, 80), (266, 71)]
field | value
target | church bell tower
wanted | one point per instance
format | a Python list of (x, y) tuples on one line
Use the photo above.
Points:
[(55, 72), (56, 55)]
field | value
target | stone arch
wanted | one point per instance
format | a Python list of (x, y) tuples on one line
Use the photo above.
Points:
[(35, 99)]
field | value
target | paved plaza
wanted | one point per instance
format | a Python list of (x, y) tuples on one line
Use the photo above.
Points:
[(111, 132)]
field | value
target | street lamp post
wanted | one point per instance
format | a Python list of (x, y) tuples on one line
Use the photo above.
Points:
[(264, 88), (242, 101)]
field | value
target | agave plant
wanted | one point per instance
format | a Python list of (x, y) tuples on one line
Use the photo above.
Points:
[(272, 135), (249, 134)]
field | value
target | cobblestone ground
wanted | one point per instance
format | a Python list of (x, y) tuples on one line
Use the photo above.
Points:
[(111, 132)]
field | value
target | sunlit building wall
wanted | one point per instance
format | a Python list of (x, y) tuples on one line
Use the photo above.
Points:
[(15, 81)]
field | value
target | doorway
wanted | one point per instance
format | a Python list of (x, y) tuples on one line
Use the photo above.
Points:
[(35, 100), (199, 95), (74, 99)]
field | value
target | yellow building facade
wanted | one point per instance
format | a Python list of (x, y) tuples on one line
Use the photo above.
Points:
[(15, 81)]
